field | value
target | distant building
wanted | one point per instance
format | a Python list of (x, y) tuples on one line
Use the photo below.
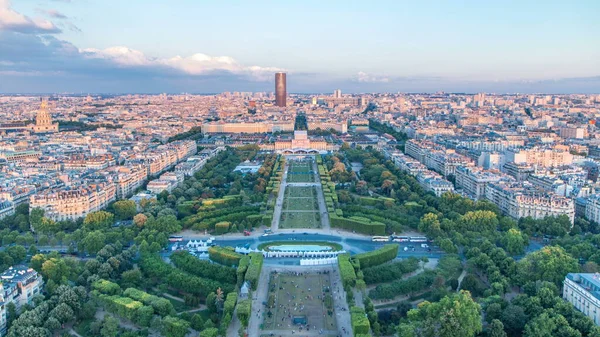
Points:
[(74, 203), (518, 201), (43, 120), (301, 144), (280, 90), (582, 290)]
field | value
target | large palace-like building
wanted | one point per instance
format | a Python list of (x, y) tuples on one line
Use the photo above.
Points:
[(43, 120)]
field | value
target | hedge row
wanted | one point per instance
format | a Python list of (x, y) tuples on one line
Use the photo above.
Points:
[(241, 270), (358, 225), (390, 272), (155, 267), (224, 255), (189, 263), (124, 307), (254, 269), (229, 304), (360, 323), (244, 309), (377, 257), (228, 199), (403, 287), (347, 272), (161, 306), (106, 287), (254, 219)]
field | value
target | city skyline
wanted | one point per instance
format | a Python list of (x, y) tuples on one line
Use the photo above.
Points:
[(86, 46)]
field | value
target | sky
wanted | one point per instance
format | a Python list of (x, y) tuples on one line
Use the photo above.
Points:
[(203, 46)]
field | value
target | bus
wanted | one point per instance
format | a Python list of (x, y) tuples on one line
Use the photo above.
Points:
[(380, 238), (175, 238), (418, 239), (400, 238)]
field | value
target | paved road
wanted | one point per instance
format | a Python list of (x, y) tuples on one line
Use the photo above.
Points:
[(354, 244)]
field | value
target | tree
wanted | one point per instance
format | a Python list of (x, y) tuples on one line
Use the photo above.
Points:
[(110, 326), (550, 323), (175, 327), (219, 300), (514, 241), (496, 329), (211, 302), (63, 313), (551, 263), (124, 209), (479, 221), (99, 220), (456, 315), (35, 218), (93, 242), (140, 220), (514, 320), (11, 313), (55, 269), (430, 224)]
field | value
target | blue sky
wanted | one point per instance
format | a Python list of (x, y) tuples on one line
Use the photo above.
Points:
[(358, 46)]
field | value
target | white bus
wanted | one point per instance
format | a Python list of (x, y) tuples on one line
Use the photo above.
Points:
[(400, 238), (418, 239), (175, 238), (380, 239)]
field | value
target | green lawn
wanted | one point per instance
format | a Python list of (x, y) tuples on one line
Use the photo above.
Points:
[(300, 172), (300, 220), (300, 208)]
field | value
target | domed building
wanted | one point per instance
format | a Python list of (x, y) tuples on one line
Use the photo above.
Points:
[(43, 120)]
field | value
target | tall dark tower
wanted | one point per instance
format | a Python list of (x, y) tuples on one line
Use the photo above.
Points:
[(280, 89)]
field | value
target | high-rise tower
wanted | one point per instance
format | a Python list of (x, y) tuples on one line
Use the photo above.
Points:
[(280, 89)]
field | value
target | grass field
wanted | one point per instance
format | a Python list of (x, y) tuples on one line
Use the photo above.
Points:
[(300, 172), (300, 208), (302, 297)]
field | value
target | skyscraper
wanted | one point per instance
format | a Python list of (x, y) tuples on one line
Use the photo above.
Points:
[(280, 90), (337, 93)]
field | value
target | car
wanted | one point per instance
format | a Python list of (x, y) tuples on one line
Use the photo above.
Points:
[(405, 249), (266, 234), (424, 245)]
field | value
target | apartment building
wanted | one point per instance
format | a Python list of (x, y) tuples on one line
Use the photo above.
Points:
[(167, 182), (128, 178), (519, 200), (74, 203), (473, 180), (539, 157), (19, 285), (6, 208), (592, 208), (582, 290), (433, 182)]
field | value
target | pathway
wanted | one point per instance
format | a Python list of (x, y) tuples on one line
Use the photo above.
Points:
[(279, 200), (321, 199)]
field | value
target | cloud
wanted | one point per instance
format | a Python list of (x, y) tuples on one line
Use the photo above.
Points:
[(53, 13), (194, 65), (369, 78), (11, 20)]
